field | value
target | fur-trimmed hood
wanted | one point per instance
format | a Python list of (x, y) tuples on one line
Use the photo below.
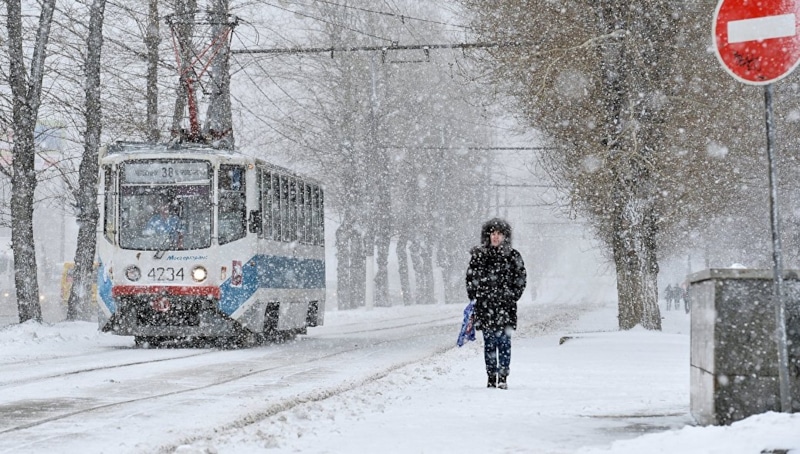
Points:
[(495, 224)]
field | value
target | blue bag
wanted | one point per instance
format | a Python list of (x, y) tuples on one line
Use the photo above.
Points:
[(467, 326)]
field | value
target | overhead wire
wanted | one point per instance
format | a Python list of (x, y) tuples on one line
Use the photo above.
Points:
[(329, 22), (402, 17), (274, 103), (271, 78)]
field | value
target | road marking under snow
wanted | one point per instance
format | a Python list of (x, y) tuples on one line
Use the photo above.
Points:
[(761, 28)]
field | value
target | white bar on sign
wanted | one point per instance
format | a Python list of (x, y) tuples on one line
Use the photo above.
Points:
[(760, 28)]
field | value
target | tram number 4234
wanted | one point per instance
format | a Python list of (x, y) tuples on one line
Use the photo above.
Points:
[(165, 274)]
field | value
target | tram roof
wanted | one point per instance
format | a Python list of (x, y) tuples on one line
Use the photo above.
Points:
[(154, 147), (151, 148)]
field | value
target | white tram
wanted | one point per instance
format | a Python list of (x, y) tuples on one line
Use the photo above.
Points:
[(239, 250)]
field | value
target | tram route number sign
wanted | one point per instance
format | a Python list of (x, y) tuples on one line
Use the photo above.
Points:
[(164, 172), (757, 41)]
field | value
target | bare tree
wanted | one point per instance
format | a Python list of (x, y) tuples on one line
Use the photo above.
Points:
[(86, 195), (26, 91)]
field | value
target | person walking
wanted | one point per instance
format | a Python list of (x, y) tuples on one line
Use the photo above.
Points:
[(668, 296), (684, 292), (496, 278)]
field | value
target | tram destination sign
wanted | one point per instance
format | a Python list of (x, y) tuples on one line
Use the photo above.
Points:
[(165, 172)]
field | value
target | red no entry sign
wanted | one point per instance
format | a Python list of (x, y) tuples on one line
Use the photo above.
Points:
[(757, 40)]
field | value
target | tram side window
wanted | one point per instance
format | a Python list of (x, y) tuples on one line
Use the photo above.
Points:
[(301, 214), (306, 207), (232, 213), (110, 201), (276, 207), (318, 214), (284, 218), (293, 210), (266, 207), (321, 224)]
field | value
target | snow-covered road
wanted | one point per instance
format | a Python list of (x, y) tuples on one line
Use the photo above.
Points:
[(70, 387)]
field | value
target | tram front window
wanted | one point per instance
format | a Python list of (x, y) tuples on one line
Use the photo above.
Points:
[(165, 217)]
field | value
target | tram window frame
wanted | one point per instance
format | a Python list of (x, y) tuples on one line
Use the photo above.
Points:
[(285, 208), (308, 207), (321, 224), (266, 204), (235, 192), (301, 214), (110, 202), (276, 207), (315, 215), (295, 198), (292, 209)]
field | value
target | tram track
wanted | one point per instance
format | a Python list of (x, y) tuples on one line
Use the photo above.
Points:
[(206, 386), (70, 358), (43, 381), (27, 380), (286, 375)]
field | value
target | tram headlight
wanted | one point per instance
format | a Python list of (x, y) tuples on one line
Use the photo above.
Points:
[(133, 273), (199, 273)]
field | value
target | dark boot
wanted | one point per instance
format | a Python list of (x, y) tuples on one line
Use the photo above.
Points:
[(501, 382), (492, 383)]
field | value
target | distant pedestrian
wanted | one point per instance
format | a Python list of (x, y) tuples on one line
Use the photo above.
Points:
[(687, 301), (668, 295), (496, 278), (677, 294)]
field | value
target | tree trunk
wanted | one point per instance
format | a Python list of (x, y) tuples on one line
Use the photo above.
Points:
[(219, 122), (88, 214), (26, 95), (633, 227), (637, 269), (358, 265), (382, 228), (382, 242), (402, 268), (351, 267), (23, 182), (184, 32), (426, 252), (423, 271), (151, 41), (344, 296)]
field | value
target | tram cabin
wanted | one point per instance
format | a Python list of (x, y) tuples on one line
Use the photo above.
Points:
[(198, 242)]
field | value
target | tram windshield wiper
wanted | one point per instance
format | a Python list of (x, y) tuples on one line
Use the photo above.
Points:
[(165, 245)]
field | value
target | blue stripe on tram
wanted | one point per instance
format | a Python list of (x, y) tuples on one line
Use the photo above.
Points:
[(104, 288), (270, 271)]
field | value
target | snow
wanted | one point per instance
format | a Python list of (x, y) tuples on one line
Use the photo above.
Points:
[(582, 388)]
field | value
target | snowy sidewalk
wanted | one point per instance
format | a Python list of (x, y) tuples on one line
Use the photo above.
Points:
[(600, 391)]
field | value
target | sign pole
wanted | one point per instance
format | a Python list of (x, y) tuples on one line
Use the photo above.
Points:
[(777, 261)]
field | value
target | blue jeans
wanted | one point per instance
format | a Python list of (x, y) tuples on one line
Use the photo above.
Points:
[(497, 352)]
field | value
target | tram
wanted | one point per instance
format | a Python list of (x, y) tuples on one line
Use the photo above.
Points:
[(203, 243)]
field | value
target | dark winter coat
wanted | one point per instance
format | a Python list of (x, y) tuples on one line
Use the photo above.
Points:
[(496, 278)]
